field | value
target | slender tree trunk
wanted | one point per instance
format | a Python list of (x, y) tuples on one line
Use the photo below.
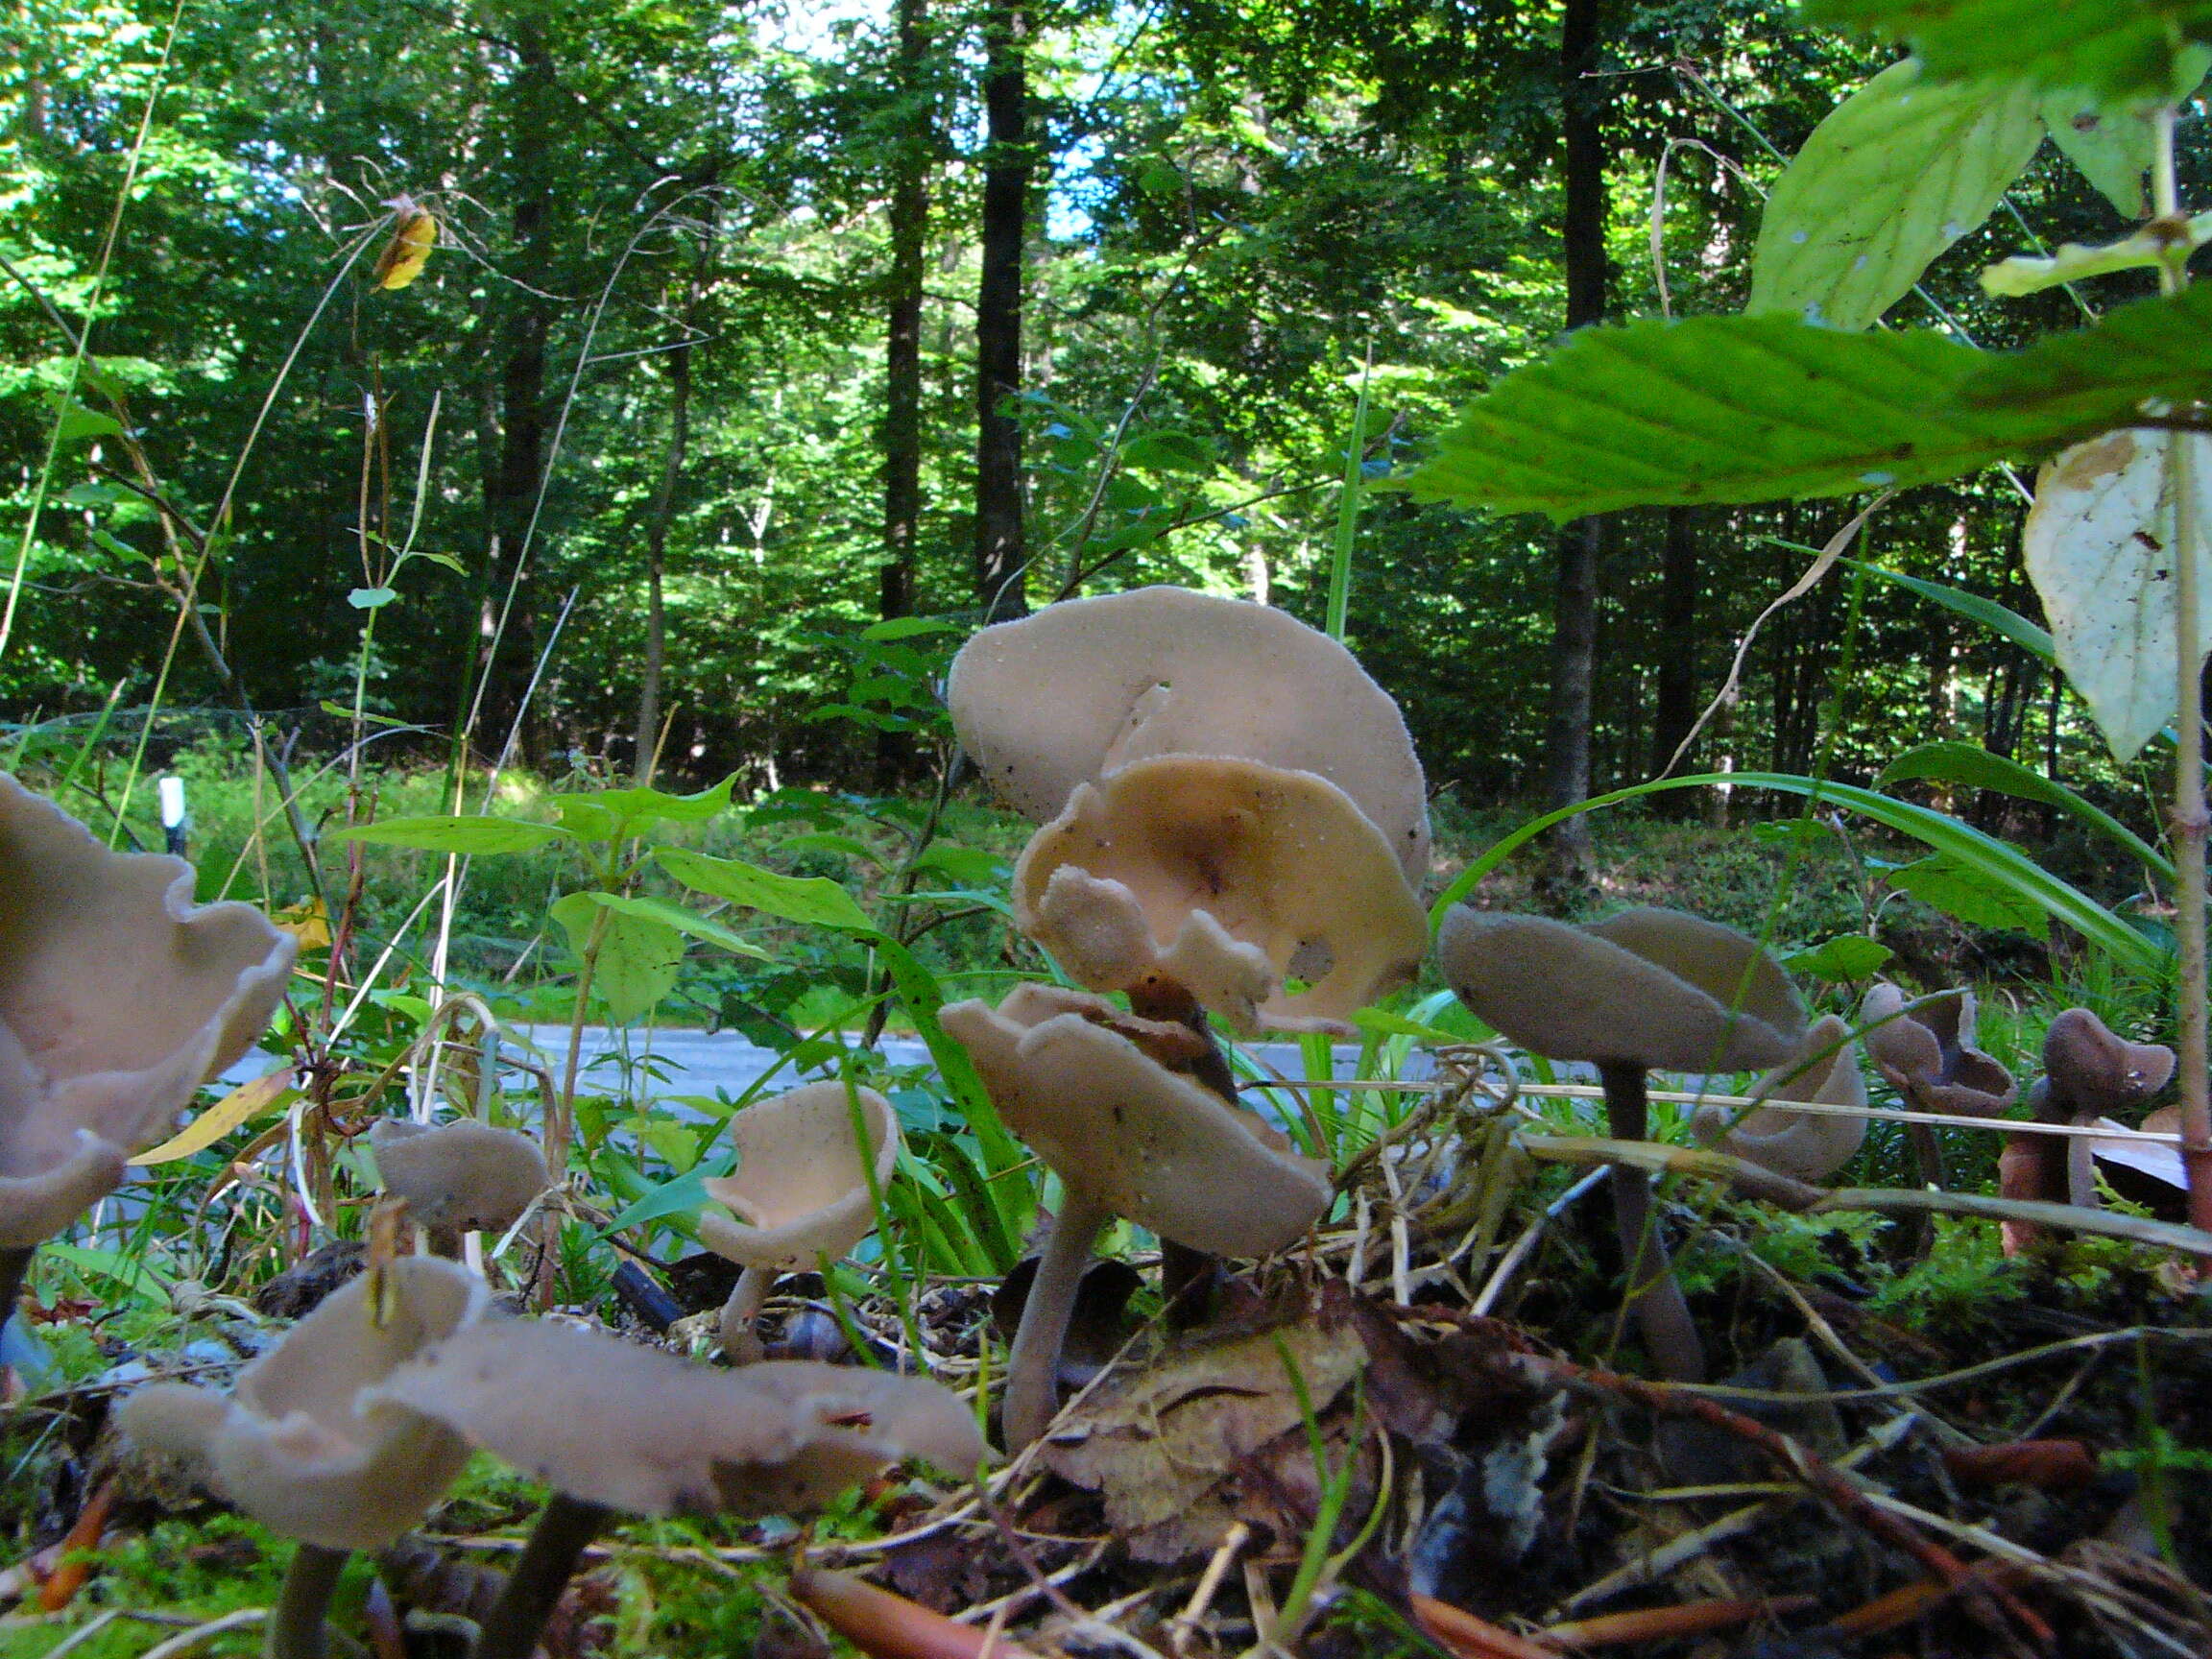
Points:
[(657, 519), (1574, 602), (903, 355), (999, 551), (1676, 703)]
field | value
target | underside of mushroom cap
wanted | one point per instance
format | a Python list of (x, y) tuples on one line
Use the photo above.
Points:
[(1085, 686), (1282, 861), (461, 1176), (1146, 1143), (640, 1430), (1809, 1145), (1926, 1051), (1653, 988), (35, 1206), (801, 1190), (118, 995), (306, 1444)]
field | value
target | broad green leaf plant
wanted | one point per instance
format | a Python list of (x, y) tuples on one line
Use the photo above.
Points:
[(1803, 397)]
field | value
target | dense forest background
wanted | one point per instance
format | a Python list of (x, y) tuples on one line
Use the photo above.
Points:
[(747, 329)]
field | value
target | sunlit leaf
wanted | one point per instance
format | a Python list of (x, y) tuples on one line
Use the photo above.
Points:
[(403, 256), (685, 922), (77, 422), (459, 834), (1999, 619), (808, 900), (1901, 170), (1840, 960), (268, 1093), (907, 627), (370, 598), (2118, 50), (1975, 896), (637, 955), (2079, 383), (1969, 764)]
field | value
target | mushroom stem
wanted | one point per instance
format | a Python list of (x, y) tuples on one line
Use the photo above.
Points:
[(14, 1263), (1662, 1314), (746, 1297), (1188, 1277), (565, 1528), (1033, 1364), (296, 1628)]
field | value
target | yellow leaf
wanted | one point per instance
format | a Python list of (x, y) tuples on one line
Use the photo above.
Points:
[(308, 923), (409, 249), (248, 1100)]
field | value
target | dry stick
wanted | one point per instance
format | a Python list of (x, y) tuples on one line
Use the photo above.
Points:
[(296, 1629)]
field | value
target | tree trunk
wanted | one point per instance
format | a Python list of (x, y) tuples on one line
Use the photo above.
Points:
[(1675, 709), (1574, 605), (999, 552), (903, 356), (657, 519)]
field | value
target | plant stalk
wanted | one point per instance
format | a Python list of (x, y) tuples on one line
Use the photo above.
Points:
[(296, 1627), (1662, 1314), (1033, 1363), (564, 1529)]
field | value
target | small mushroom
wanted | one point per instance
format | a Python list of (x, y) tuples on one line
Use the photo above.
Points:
[(1222, 876), (459, 1178), (801, 1193), (1081, 689), (1925, 1050), (306, 1445), (2088, 1073), (1807, 1145), (1127, 1137), (1646, 989), (118, 998), (612, 1425)]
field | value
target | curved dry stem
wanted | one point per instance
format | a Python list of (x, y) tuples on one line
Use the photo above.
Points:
[(1662, 1314), (1033, 1364), (746, 1297), (565, 1528), (296, 1627)]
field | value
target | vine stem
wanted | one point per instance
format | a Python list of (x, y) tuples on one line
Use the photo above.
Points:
[(2191, 821)]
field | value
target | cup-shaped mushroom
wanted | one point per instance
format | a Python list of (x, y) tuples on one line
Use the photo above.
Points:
[(1080, 688), (2089, 1071), (626, 1427), (118, 998), (1926, 1051), (1656, 989), (459, 1177), (305, 1443), (1168, 866), (1809, 1145)]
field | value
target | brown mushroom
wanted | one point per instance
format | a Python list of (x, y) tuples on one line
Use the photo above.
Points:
[(1127, 1137), (1925, 1050), (459, 1178), (801, 1194), (1222, 876), (1646, 989), (1806, 1145), (305, 1443), (1070, 694), (118, 998), (613, 1425), (2088, 1073)]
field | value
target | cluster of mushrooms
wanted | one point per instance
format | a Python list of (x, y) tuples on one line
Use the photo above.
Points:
[(1232, 828)]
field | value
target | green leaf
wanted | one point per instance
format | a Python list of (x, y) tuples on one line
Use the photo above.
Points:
[(684, 1195), (2025, 273), (462, 834), (922, 996), (807, 900), (2100, 548), (370, 598), (1169, 451), (449, 561), (1717, 409), (75, 423), (971, 864), (637, 959), (2082, 382), (1841, 960), (1974, 895), (2111, 147), (1896, 174), (685, 922), (609, 814), (2119, 50), (906, 627), (1998, 618), (1977, 768)]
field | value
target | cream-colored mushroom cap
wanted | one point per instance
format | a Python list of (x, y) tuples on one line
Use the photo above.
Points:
[(801, 1190), (1143, 1141), (638, 1428), (1281, 861), (118, 999), (460, 1177), (306, 1444), (1810, 1145), (1928, 1054), (1655, 988), (1086, 687)]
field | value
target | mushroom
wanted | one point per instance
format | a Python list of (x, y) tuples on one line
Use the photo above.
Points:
[(1082, 688), (118, 998), (1925, 1050), (1222, 876), (1127, 1137), (612, 1425), (2088, 1073), (459, 1178), (803, 1192), (1806, 1145), (306, 1445), (1644, 989)]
